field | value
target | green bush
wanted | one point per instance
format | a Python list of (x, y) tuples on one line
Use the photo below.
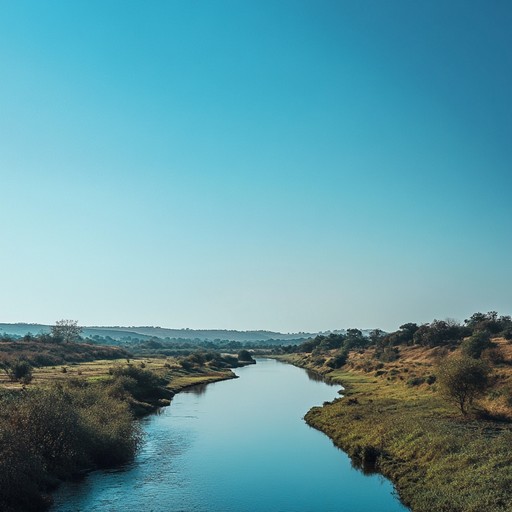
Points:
[(476, 344), (462, 380), (20, 371), (338, 360), (415, 381), (245, 356), (53, 433)]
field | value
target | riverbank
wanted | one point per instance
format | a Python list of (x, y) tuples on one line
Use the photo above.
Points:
[(436, 459), (214, 451), (74, 418)]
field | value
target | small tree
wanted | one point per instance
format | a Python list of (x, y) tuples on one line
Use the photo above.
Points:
[(245, 355), (339, 359), (476, 344), (66, 331), (19, 371), (462, 379)]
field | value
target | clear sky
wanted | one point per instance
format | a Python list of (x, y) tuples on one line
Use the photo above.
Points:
[(285, 165)]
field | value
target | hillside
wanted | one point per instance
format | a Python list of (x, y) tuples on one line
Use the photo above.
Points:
[(39, 353), (120, 333), (400, 415)]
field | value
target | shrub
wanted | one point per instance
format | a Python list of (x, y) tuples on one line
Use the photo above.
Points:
[(20, 371), (476, 344), (245, 355), (462, 379), (415, 381), (431, 379), (142, 384), (338, 360), (55, 432)]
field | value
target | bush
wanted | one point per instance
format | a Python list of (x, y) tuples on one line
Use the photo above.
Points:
[(462, 380), (142, 384), (53, 433), (415, 381), (20, 371), (476, 344), (245, 356), (431, 379), (507, 333)]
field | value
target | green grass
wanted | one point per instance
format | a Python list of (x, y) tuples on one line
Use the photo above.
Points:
[(437, 460)]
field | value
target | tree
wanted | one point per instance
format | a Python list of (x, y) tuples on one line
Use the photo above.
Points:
[(376, 336), (66, 331), (439, 333), (339, 359), (355, 339), (245, 356), (19, 371), (462, 379), (486, 322), (476, 344)]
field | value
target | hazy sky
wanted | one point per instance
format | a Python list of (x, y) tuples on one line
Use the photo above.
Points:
[(287, 165)]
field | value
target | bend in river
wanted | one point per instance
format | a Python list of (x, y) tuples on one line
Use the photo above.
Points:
[(232, 446)]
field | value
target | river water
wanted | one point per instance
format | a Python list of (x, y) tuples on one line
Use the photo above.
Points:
[(234, 446)]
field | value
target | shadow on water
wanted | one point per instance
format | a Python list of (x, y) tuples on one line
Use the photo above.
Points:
[(314, 376), (197, 389)]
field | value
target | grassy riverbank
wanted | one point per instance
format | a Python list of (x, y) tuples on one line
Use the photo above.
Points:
[(438, 460), (79, 416)]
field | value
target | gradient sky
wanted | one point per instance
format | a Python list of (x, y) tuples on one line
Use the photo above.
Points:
[(291, 165)]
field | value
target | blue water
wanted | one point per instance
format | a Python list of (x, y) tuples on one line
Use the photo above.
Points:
[(234, 446)]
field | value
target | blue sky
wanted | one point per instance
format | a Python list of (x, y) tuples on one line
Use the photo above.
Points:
[(291, 165)]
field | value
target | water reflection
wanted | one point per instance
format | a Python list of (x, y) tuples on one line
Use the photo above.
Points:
[(315, 377), (197, 389)]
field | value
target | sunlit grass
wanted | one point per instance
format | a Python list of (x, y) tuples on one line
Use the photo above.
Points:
[(438, 460)]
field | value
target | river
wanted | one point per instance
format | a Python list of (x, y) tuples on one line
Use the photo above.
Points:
[(234, 446)]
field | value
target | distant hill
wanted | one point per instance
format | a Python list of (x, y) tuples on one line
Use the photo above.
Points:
[(120, 333)]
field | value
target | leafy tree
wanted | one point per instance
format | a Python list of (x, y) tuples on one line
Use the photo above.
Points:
[(355, 339), (404, 336), (407, 333), (440, 332), (245, 355), (376, 336), (388, 354), (339, 359), (66, 331), (462, 379), (331, 341), (476, 344), (488, 322)]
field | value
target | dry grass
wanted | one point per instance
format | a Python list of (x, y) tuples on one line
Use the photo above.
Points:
[(166, 367), (393, 420)]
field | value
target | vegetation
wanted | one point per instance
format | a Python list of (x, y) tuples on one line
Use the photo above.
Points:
[(429, 406), (244, 356), (43, 352), (66, 331), (18, 371), (52, 433), (168, 338), (63, 412), (435, 461), (462, 379)]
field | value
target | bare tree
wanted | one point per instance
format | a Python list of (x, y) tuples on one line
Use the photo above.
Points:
[(66, 331)]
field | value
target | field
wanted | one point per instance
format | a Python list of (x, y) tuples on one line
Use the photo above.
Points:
[(101, 370), (392, 420)]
